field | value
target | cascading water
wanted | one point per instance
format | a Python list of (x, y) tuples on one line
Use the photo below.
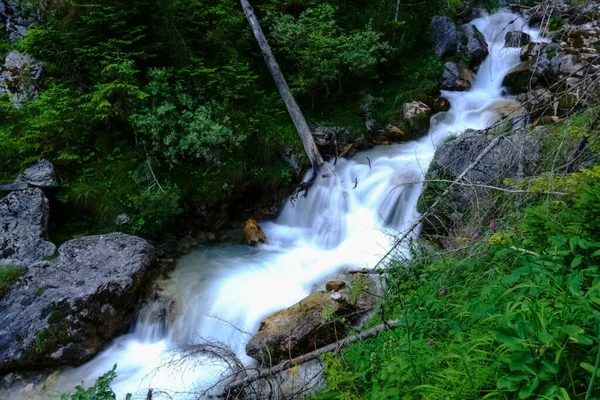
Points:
[(347, 220)]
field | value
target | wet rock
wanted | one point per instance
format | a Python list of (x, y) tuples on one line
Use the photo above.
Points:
[(20, 77), (456, 77), (441, 104), (62, 311), (519, 78), (334, 286), (302, 328), (417, 115), (445, 36), (516, 39), (473, 44), (24, 228), (40, 175), (253, 233)]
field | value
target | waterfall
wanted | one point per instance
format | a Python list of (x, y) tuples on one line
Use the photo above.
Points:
[(348, 220)]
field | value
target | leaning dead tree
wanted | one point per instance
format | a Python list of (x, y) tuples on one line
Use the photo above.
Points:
[(295, 113)]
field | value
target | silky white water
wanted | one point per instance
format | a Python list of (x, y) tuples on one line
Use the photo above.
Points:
[(347, 221)]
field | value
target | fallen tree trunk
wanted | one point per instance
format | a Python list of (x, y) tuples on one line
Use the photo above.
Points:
[(253, 376), (310, 146)]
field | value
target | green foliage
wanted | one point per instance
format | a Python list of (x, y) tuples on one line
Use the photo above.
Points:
[(177, 128), (555, 23), (323, 53), (9, 274), (100, 391)]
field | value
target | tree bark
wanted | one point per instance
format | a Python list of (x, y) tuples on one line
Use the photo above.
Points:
[(295, 113)]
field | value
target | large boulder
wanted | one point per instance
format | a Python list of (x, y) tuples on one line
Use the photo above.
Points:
[(444, 35), (19, 77), (515, 155), (62, 311), (308, 324), (24, 228), (456, 77), (516, 39), (473, 44), (417, 115), (40, 175)]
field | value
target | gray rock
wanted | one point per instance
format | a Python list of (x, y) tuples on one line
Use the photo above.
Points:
[(10, 16), (24, 228), (568, 64), (475, 46), (516, 39), (39, 175), (537, 102), (372, 127), (515, 155), (456, 77), (19, 77), (122, 219), (444, 35), (62, 311)]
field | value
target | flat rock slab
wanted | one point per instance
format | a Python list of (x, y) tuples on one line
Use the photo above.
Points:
[(63, 310)]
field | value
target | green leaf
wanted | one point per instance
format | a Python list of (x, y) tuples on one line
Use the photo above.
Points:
[(508, 337), (520, 361), (545, 337), (576, 261), (506, 383), (527, 390), (550, 366), (574, 282), (588, 367), (573, 242)]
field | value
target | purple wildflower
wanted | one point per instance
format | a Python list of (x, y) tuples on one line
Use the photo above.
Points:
[(474, 235), (431, 343), (493, 225)]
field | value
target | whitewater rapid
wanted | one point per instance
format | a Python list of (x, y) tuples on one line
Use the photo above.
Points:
[(348, 220)]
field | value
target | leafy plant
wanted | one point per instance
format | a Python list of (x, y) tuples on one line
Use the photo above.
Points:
[(100, 391)]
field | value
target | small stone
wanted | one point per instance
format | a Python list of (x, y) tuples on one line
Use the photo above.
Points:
[(122, 219), (338, 297), (211, 236), (334, 286)]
